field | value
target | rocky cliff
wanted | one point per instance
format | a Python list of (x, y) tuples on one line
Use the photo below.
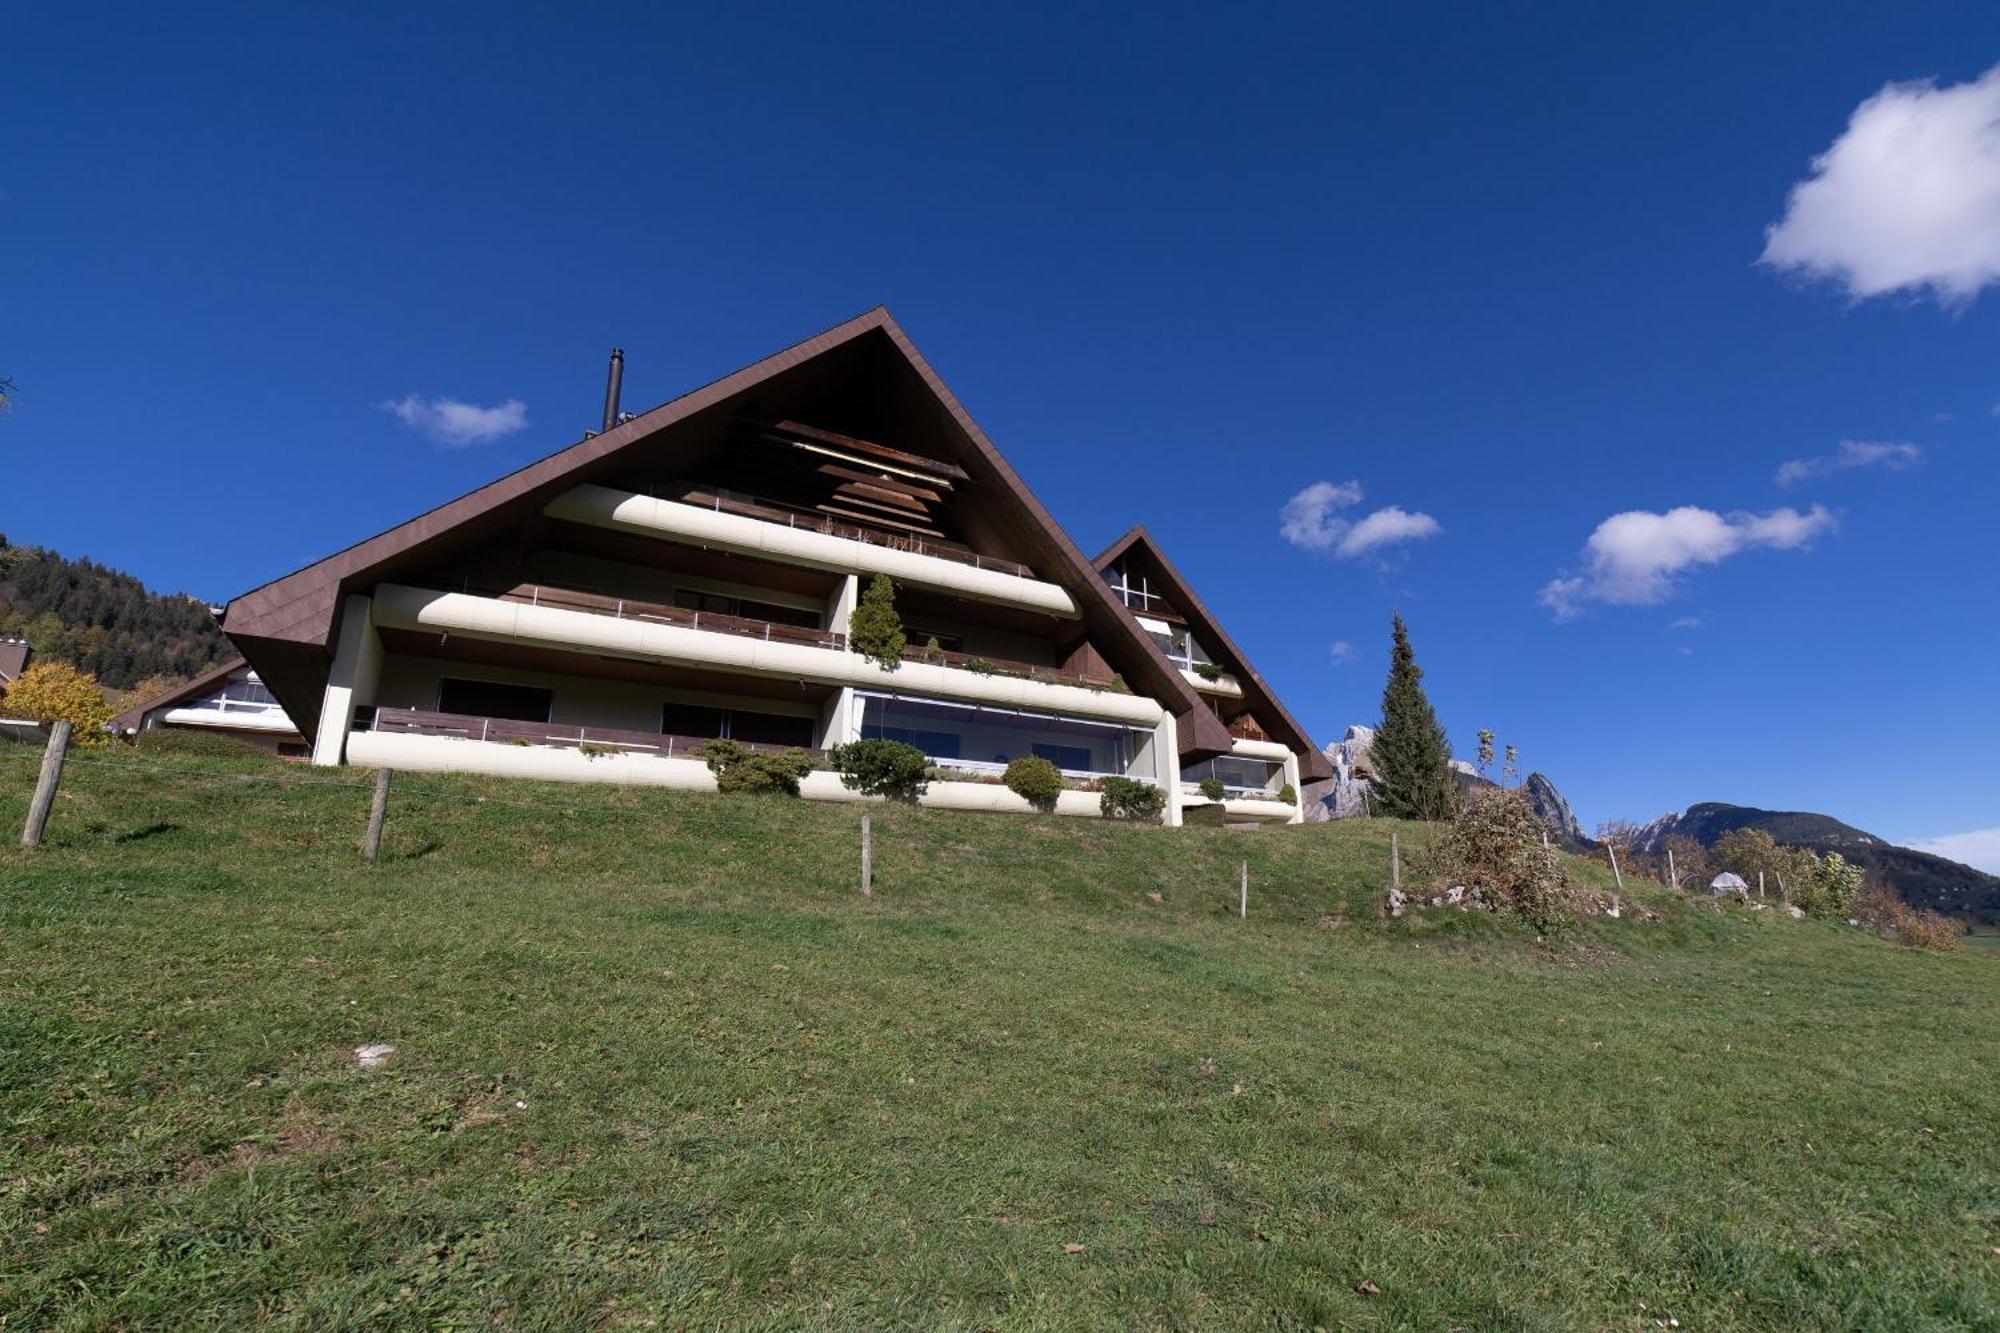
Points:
[(1555, 814)]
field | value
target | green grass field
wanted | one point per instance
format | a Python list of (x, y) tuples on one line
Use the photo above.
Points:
[(658, 1064)]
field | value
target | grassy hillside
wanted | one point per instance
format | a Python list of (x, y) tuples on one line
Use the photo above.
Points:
[(658, 1064)]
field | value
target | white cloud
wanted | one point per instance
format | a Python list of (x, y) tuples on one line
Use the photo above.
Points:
[(456, 425), (1312, 521), (1686, 622), (1633, 559), (1341, 651), (1979, 848), (1894, 455), (1907, 199), (1386, 527)]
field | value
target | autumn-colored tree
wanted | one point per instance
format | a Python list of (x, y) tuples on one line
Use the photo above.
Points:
[(58, 692), (147, 690)]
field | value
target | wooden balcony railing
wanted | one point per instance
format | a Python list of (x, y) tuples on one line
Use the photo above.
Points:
[(506, 731), (623, 608), (992, 666), (772, 511)]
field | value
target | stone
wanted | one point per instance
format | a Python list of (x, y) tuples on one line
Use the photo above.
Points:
[(370, 1056), (1395, 902)]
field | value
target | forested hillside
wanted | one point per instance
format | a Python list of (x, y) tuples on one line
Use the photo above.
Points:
[(103, 621)]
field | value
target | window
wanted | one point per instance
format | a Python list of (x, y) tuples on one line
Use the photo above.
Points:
[(1239, 774), (692, 720), (698, 722), (983, 739), (770, 728), (1076, 758), (920, 637), (936, 744), (487, 698), (727, 604), (1135, 590)]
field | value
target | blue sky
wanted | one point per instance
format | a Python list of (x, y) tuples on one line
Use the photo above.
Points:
[(1497, 273)]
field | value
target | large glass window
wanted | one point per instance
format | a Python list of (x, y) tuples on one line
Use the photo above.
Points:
[(986, 739), (1240, 776), (247, 695), (487, 698), (1181, 647), (699, 722)]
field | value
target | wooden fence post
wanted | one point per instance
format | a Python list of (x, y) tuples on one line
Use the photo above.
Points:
[(1612, 847), (45, 786), (867, 859), (1243, 893), (1673, 875), (371, 847), (1395, 861)]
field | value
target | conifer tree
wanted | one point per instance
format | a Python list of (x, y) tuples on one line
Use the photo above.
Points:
[(1410, 756)]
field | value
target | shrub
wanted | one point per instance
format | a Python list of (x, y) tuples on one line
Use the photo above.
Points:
[(1036, 781), (1129, 798), (893, 769), (1825, 885), (980, 665), (58, 692), (1212, 788), (738, 768), (1208, 670), (1288, 794), (933, 651), (1494, 845), (1884, 912), (874, 629), (595, 749)]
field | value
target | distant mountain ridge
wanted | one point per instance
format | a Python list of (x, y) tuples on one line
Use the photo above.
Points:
[(1918, 878)]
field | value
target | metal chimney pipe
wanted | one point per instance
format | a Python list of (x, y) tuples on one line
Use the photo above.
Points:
[(612, 383)]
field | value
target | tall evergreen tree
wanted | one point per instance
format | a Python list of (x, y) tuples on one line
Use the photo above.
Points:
[(1410, 756)]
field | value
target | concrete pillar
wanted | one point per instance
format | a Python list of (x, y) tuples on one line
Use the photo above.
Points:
[(1167, 761), (1292, 781), (840, 720), (846, 594), (357, 671)]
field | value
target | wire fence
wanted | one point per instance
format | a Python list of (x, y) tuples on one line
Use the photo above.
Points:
[(603, 802)]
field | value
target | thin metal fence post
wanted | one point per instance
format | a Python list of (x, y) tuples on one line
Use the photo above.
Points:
[(1243, 893)]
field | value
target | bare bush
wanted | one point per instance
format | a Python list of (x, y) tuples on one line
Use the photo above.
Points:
[(1883, 911), (1495, 848)]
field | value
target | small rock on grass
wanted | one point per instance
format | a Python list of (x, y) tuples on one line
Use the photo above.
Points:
[(1367, 1288), (1071, 1247), (370, 1056)]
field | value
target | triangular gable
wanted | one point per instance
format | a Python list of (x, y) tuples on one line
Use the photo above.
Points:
[(1258, 694), (287, 627)]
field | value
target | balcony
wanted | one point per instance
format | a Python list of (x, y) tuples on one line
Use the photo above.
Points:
[(411, 740), (753, 528), (539, 616), (658, 613), (506, 731)]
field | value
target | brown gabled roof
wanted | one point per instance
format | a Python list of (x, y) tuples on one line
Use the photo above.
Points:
[(287, 627), (1263, 700), (129, 719)]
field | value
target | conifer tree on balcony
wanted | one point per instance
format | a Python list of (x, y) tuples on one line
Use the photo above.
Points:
[(874, 628)]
